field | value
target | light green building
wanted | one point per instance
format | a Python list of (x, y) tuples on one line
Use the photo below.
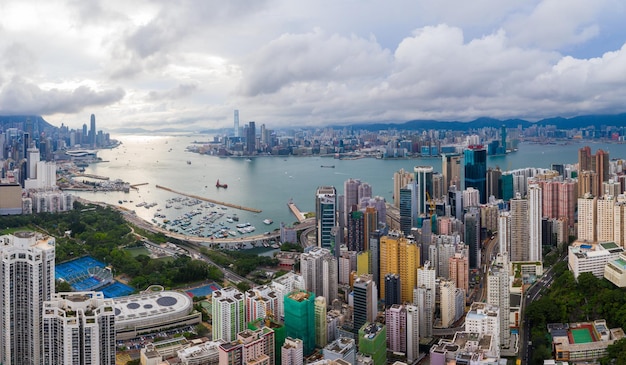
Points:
[(373, 342), (228, 311), (300, 318)]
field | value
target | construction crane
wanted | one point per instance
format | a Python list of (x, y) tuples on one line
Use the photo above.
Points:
[(431, 204)]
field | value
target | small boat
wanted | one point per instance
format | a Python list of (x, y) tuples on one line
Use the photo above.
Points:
[(218, 185), (328, 166), (268, 221), (188, 162)]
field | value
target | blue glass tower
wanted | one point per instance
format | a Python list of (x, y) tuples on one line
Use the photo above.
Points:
[(476, 170)]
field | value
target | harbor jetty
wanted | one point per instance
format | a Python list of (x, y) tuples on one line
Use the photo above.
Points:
[(294, 209), (97, 177), (230, 205), (136, 186)]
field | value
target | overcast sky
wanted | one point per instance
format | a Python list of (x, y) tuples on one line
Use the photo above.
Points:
[(189, 64)]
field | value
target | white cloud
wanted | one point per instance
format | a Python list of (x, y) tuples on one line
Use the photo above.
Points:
[(21, 97), (192, 62)]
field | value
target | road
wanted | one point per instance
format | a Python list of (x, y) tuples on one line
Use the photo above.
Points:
[(489, 253), (534, 292)]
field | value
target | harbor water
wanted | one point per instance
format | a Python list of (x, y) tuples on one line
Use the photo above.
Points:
[(267, 183)]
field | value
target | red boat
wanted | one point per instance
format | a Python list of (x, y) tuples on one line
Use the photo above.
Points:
[(218, 185)]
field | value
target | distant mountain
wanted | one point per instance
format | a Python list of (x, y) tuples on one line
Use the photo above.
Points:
[(584, 121), (20, 121)]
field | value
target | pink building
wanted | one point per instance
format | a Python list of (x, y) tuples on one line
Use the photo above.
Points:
[(395, 317), (459, 271)]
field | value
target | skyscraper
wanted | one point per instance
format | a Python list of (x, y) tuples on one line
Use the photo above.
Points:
[(393, 290), (534, 223), (602, 170), (400, 180), (28, 281), (587, 181), (78, 328), (400, 255), (351, 195), (587, 218), (374, 255), (412, 332), (395, 319), (261, 301), (472, 237), (447, 289), (459, 271), (373, 342), (584, 159), (476, 170), (424, 180), (451, 170), (92, 132), (519, 229), (325, 206), (370, 224), (365, 301), (494, 176), (356, 230), (504, 232), (498, 293), (424, 298), (320, 272), (236, 126), (251, 138), (300, 318), (408, 207), (228, 312), (292, 351), (321, 332)]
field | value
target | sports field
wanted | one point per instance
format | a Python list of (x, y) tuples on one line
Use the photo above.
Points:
[(87, 273), (203, 290), (582, 335)]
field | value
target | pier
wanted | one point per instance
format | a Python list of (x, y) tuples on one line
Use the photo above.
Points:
[(98, 177), (136, 186), (299, 216), (230, 205)]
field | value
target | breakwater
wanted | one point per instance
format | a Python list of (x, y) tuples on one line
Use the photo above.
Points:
[(226, 204)]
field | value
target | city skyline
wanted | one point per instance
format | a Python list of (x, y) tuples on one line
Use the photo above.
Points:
[(190, 64)]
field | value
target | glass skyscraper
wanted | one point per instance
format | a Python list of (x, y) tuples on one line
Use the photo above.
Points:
[(325, 207), (476, 170)]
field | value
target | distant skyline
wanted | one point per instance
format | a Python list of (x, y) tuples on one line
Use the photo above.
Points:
[(190, 64)]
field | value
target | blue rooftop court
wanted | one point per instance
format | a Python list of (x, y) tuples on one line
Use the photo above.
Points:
[(75, 268), (203, 290), (89, 274), (117, 290)]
